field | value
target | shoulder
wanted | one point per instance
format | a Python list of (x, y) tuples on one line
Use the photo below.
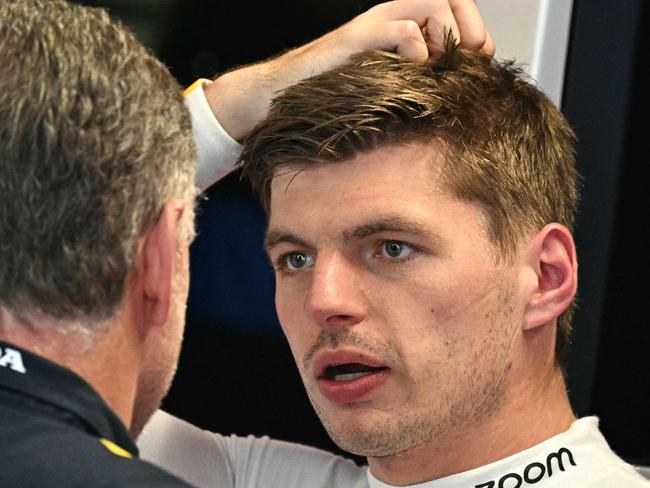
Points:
[(599, 465), (292, 465), (179, 447), (618, 475), (210, 459), (51, 456)]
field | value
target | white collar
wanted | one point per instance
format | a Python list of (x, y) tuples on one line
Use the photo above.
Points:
[(543, 465)]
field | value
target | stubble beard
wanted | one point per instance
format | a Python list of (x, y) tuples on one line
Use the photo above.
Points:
[(154, 386), (474, 396)]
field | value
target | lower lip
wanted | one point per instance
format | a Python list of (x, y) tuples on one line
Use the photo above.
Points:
[(351, 391)]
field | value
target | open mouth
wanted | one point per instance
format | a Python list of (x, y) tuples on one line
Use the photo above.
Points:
[(349, 371), (349, 377)]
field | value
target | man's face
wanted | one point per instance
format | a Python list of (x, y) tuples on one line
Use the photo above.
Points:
[(400, 320)]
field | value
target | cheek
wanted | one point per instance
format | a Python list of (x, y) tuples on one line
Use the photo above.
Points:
[(291, 313), (287, 313), (289, 303), (442, 324), (458, 297)]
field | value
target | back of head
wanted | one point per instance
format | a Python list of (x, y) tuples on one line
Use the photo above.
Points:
[(94, 139), (505, 145)]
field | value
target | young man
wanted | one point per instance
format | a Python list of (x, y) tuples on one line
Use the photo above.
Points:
[(96, 207), (420, 220)]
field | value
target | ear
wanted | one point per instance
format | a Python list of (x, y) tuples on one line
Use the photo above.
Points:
[(552, 254), (158, 262)]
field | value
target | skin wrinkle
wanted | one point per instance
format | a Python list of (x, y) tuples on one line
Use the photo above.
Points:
[(492, 398), (470, 304)]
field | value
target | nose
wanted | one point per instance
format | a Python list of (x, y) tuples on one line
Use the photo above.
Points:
[(335, 299)]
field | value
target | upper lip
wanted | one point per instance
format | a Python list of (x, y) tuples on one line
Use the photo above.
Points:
[(326, 358)]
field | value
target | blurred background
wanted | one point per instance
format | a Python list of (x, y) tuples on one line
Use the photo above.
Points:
[(236, 373)]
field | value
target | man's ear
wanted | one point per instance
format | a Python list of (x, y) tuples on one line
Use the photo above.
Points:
[(552, 254), (158, 262)]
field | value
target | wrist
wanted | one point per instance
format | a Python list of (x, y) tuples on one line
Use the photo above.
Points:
[(240, 99)]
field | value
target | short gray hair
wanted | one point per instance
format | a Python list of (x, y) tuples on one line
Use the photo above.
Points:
[(94, 138)]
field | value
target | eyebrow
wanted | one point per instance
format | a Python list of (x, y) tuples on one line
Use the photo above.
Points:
[(381, 224), (386, 224), (276, 237)]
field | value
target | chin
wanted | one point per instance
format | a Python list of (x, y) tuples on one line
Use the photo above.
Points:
[(375, 442), (371, 433)]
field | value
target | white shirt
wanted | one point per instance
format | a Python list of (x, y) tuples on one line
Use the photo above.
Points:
[(577, 458), (217, 152), (209, 460)]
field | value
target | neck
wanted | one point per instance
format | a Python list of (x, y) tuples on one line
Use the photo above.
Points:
[(106, 362), (531, 413)]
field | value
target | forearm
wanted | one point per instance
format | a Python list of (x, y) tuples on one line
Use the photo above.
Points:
[(239, 99)]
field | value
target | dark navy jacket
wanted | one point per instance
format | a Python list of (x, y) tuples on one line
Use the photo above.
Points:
[(55, 431)]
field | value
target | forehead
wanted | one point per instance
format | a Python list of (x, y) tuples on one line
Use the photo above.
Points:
[(402, 182), (391, 169)]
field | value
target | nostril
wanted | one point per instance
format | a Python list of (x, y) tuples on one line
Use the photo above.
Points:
[(340, 320)]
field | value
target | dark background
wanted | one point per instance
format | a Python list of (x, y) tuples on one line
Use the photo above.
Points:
[(236, 373)]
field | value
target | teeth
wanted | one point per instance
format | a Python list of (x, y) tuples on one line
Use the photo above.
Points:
[(349, 371), (350, 376)]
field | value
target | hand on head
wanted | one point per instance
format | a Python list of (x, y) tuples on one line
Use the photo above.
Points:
[(413, 29)]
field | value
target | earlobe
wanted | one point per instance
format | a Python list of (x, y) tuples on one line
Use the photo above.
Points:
[(157, 268), (553, 255)]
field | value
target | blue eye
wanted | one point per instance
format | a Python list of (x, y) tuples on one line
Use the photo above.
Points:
[(295, 261), (396, 249)]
